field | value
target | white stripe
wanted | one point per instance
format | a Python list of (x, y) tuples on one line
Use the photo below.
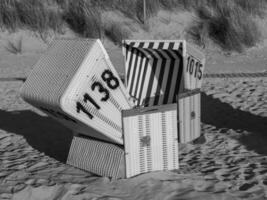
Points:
[(134, 80), (197, 109), (192, 120), (181, 120), (138, 69), (142, 68), (145, 86), (187, 114), (176, 46), (131, 72), (136, 44)]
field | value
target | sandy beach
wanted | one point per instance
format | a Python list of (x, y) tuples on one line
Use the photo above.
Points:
[(229, 160)]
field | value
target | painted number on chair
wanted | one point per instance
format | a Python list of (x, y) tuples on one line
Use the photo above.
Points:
[(112, 83), (194, 68)]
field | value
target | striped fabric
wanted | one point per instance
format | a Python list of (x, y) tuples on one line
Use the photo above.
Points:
[(101, 158), (150, 139), (153, 71)]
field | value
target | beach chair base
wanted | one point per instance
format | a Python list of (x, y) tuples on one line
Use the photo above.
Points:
[(101, 158)]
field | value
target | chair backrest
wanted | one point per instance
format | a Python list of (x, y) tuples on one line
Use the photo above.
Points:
[(156, 71), (153, 68)]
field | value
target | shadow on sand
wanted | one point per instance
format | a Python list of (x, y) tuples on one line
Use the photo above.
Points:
[(222, 115), (48, 136), (42, 133)]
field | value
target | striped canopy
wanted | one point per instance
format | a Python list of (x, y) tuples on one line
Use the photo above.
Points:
[(153, 70)]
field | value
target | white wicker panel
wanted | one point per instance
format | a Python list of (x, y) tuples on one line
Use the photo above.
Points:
[(150, 139), (189, 118)]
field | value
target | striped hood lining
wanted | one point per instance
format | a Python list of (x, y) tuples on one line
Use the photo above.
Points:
[(166, 54), (153, 71)]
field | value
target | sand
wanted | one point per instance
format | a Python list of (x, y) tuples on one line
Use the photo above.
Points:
[(229, 161)]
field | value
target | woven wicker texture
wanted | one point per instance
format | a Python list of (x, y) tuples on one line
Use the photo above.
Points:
[(97, 157), (151, 141), (75, 82), (189, 117)]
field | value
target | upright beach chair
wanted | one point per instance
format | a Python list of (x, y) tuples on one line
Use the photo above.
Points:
[(159, 72)]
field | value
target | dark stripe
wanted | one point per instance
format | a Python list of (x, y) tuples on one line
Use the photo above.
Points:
[(169, 82), (179, 77), (171, 45), (150, 45), (160, 78), (135, 67), (181, 48), (161, 44), (138, 76), (152, 76), (131, 84), (178, 53), (129, 65), (126, 47), (143, 81), (137, 52)]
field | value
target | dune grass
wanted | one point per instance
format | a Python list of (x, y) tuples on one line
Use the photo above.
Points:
[(116, 32), (83, 19), (226, 23), (29, 14), (229, 23), (14, 47)]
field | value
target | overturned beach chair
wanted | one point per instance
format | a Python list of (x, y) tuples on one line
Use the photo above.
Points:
[(75, 83)]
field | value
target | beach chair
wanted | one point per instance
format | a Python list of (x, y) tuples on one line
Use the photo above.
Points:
[(158, 71), (75, 83)]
